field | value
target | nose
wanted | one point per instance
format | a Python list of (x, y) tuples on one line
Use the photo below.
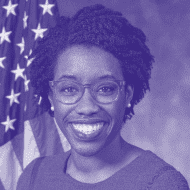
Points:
[(87, 105)]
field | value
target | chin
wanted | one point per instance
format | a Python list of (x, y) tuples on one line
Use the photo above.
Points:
[(88, 150)]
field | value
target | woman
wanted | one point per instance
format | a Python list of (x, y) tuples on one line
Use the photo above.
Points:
[(90, 71)]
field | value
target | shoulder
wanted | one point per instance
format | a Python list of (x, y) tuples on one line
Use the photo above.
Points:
[(158, 174), (170, 180), (24, 179), (40, 167)]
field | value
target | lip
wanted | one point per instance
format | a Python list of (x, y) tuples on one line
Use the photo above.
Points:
[(89, 121), (87, 137)]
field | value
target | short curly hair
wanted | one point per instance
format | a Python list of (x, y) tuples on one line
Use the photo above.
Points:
[(97, 26)]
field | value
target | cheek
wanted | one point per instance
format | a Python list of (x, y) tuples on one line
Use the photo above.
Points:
[(119, 108), (116, 110), (61, 112), (58, 109)]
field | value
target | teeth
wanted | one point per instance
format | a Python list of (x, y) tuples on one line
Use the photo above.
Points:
[(88, 128)]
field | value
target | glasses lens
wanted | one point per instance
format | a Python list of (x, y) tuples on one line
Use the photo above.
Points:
[(106, 92), (68, 92)]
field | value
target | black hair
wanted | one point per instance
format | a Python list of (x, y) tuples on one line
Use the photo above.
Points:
[(98, 26)]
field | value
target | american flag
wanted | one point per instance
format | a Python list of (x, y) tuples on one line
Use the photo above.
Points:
[(26, 131)]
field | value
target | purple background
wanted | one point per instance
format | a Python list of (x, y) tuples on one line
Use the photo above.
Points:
[(162, 119)]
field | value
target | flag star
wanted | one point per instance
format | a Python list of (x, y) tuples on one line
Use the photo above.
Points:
[(9, 124), (5, 35), (26, 83), (29, 61), (21, 45), (25, 107), (25, 20), (18, 72), (39, 102), (1, 61), (47, 7), (39, 31), (13, 97), (10, 8), (30, 52)]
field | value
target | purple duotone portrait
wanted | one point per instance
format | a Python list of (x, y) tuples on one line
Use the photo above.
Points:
[(91, 70)]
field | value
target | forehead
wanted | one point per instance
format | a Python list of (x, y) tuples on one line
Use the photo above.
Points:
[(87, 63)]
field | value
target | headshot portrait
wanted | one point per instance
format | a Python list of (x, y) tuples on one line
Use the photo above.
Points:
[(94, 117)]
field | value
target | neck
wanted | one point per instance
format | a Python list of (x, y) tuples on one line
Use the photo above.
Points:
[(109, 157)]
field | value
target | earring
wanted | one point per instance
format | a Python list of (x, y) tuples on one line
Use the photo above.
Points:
[(52, 108), (129, 105)]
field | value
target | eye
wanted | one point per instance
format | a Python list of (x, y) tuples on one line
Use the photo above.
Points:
[(69, 89), (107, 90)]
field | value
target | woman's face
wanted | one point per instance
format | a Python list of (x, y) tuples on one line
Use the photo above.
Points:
[(102, 121)]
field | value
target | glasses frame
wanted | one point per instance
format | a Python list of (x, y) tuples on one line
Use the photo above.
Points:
[(120, 84)]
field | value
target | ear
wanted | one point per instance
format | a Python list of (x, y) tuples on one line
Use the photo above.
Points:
[(129, 94)]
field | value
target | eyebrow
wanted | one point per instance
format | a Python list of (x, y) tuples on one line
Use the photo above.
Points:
[(107, 77), (67, 77), (75, 78)]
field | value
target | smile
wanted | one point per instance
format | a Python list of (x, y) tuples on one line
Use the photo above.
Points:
[(88, 128)]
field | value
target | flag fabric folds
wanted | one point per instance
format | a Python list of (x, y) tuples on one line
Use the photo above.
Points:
[(26, 130)]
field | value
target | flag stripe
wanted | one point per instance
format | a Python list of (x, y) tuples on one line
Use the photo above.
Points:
[(25, 133), (65, 144), (1, 186), (18, 147), (10, 168), (30, 147), (47, 137)]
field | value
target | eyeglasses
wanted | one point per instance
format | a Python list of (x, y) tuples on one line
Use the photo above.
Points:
[(70, 92)]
